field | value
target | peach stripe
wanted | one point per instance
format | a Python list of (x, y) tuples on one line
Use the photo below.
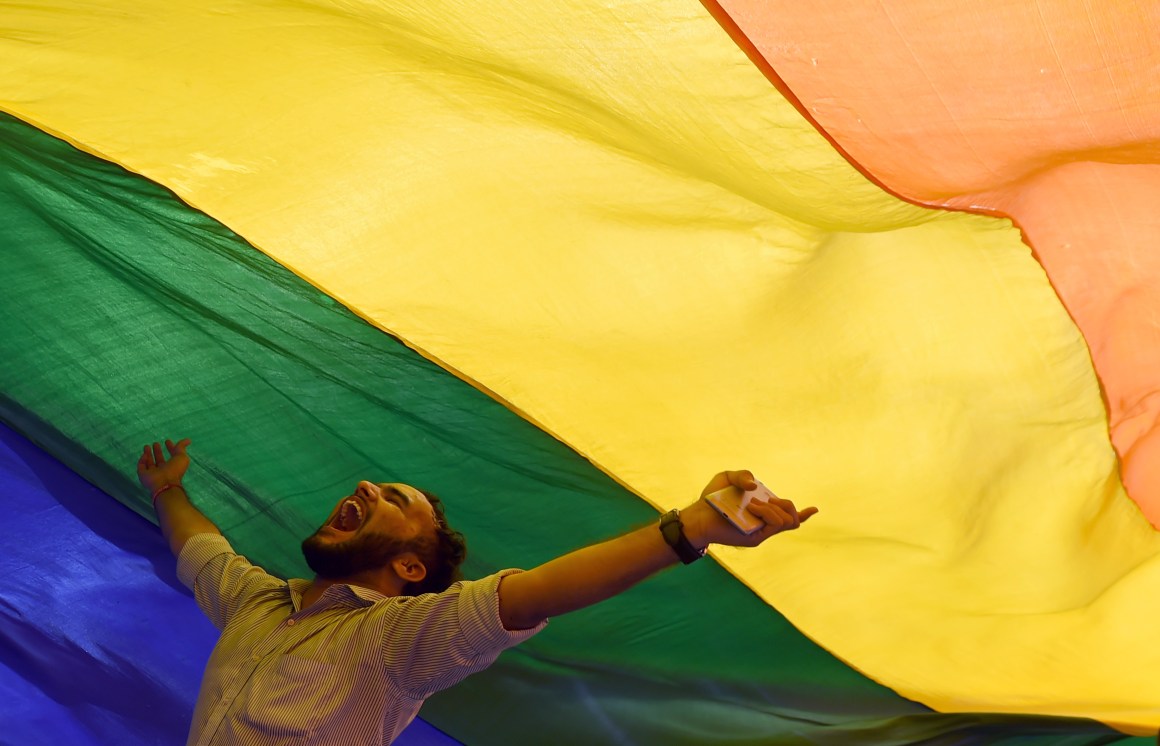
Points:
[(1047, 112)]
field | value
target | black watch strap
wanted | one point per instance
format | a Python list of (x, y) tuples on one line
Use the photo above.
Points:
[(674, 532)]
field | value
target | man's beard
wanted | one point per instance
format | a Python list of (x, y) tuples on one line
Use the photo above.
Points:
[(369, 551)]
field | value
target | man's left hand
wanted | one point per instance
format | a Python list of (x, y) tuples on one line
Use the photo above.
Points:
[(704, 525)]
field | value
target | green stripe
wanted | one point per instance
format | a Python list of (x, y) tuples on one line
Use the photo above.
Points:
[(129, 316)]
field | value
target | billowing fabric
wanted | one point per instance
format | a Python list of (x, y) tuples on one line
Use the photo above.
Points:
[(1048, 112), (636, 243), (315, 398), (99, 643)]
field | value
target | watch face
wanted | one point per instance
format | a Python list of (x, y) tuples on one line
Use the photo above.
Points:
[(671, 527), (673, 532)]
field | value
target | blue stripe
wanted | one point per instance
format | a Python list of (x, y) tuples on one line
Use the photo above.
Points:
[(99, 642)]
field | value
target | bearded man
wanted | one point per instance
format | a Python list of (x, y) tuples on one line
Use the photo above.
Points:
[(349, 656)]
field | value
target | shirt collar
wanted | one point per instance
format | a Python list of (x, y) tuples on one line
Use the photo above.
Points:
[(339, 593)]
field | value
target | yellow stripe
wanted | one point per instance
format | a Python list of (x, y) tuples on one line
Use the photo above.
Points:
[(608, 218)]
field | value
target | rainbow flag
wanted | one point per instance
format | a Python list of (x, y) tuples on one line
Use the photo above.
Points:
[(560, 264)]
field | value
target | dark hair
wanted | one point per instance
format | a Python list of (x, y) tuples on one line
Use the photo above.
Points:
[(441, 554)]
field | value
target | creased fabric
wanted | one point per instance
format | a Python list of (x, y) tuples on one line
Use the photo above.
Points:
[(608, 219)]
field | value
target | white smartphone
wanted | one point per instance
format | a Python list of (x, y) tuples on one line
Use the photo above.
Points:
[(731, 503)]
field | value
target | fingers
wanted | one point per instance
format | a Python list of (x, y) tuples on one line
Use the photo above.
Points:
[(786, 516), (153, 455), (177, 448), (742, 479), (788, 510), (772, 512), (780, 514)]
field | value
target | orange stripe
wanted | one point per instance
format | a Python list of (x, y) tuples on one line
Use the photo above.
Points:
[(1042, 112)]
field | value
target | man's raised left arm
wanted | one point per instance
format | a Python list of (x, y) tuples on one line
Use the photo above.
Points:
[(600, 571)]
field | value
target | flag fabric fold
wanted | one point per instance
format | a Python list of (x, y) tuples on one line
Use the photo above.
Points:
[(1045, 112), (640, 247)]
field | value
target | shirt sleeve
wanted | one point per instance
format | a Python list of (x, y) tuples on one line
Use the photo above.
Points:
[(221, 580), (438, 639)]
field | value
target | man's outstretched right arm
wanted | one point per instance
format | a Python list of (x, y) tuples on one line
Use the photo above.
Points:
[(176, 515)]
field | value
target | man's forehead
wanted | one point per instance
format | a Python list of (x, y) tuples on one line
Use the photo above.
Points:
[(406, 489), (415, 496)]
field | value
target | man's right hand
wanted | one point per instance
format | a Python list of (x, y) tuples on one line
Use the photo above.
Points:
[(176, 515), (155, 472)]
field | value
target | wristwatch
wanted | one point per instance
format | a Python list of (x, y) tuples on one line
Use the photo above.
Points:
[(674, 532)]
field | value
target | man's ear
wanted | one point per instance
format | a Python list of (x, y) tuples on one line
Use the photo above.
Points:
[(409, 567)]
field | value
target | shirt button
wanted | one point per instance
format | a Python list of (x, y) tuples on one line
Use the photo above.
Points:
[(256, 658), (289, 622)]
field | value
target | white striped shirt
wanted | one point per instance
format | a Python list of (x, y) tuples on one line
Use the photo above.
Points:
[(353, 668)]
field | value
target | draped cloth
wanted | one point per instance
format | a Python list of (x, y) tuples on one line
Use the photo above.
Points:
[(610, 222)]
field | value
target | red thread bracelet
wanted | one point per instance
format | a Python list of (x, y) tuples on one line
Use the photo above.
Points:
[(161, 489)]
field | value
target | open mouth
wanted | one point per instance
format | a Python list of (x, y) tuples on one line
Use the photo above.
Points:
[(349, 517)]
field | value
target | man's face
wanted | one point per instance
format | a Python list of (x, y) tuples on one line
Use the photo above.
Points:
[(368, 529)]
